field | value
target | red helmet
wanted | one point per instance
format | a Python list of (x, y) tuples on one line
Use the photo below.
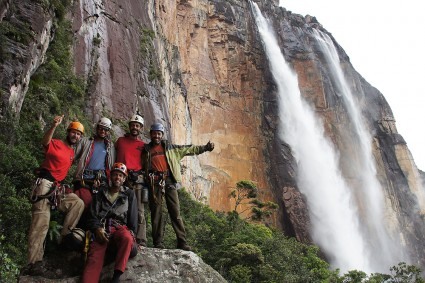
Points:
[(118, 166)]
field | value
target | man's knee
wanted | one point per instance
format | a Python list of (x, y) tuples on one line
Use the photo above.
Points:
[(72, 201)]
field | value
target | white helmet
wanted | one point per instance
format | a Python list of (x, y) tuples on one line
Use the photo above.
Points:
[(105, 122), (137, 118)]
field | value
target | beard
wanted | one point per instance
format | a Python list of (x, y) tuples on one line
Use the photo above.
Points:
[(134, 133), (117, 183), (71, 140)]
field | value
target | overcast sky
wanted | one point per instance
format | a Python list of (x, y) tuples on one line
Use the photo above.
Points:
[(385, 41)]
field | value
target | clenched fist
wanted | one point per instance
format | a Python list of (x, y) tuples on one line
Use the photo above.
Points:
[(209, 146)]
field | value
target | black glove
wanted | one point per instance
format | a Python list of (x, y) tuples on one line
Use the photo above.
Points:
[(209, 146)]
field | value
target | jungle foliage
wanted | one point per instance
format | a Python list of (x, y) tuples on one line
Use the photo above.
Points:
[(51, 90)]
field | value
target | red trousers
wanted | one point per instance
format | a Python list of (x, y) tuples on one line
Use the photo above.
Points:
[(85, 195), (120, 240)]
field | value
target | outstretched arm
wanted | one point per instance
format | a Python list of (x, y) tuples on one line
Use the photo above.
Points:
[(49, 134), (209, 146)]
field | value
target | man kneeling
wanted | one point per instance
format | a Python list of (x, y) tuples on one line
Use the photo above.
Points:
[(113, 222)]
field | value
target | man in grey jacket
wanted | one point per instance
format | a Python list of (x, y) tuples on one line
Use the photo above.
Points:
[(113, 221), (95, 157)]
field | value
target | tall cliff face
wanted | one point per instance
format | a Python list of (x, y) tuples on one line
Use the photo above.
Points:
[(200, 68)]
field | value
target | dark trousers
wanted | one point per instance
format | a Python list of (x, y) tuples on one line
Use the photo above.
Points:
[(141, 221), (169, 193)]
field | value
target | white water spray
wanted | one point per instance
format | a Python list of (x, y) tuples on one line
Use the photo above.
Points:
[(387, 250), (334, 218)]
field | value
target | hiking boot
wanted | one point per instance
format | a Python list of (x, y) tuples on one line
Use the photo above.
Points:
[(26, 270), (184, 247), (159, 246), (142, 243), (34, 269)]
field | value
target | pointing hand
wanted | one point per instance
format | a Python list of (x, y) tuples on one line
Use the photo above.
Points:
[(57, 120)]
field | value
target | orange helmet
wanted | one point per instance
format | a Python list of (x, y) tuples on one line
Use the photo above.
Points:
[(76, 126), (118, 166)]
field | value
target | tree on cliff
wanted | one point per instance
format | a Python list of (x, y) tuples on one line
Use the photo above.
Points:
[(246, 193)]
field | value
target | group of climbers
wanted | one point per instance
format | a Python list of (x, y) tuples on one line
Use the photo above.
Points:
[(111, 186)]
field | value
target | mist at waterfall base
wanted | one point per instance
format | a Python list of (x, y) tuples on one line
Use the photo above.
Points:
[(333, 211)]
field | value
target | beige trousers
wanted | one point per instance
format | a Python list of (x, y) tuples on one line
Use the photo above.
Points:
[(71, 205)]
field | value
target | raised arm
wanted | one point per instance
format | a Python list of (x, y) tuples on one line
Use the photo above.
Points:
[(49, 134)]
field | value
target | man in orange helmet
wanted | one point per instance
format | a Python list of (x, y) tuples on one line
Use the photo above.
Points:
[(48, 193)]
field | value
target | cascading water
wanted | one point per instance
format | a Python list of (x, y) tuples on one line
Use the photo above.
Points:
[(335, 224), (381, 243)]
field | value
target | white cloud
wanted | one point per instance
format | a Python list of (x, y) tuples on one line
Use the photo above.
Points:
[(385, 42)]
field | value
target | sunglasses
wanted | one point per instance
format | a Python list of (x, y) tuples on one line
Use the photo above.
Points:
[(103, 129)]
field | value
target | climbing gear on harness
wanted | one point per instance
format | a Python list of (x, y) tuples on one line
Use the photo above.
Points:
[(56, 194), (87, 244), (136, 176), (59, 195), (118, 166), (33, 197), (76, 126), (93, 179), (145, 195), (106, 227), (157, 178)]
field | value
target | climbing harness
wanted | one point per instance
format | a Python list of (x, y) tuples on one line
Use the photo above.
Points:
[(156, 179), (93, 179), (56, 194)]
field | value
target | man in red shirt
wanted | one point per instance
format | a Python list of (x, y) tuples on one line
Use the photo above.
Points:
[(129, 151), (47, 191)]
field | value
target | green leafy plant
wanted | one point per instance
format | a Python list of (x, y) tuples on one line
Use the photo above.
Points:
[(8, 268), (246, 193), (54, 231)]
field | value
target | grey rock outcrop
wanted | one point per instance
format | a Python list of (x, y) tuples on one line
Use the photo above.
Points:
[(27, 31), (150, 265)]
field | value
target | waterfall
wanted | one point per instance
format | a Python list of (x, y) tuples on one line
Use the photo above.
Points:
[(333, 213), (381, 241)]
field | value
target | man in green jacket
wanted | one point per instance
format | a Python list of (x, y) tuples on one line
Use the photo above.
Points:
[(161, 161)]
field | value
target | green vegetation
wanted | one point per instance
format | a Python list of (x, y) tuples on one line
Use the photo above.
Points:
[(242, 251), (246, 192), (21, 33), (147, 54), (146, 46), (251, 252), (53, 90), (97, 40)]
